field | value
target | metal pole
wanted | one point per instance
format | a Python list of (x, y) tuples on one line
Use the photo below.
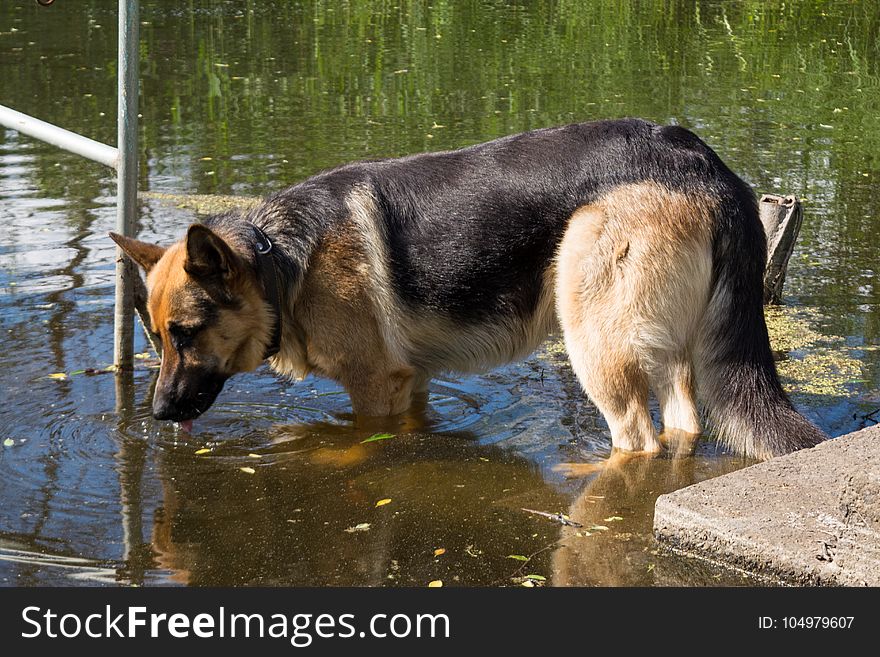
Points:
[(52, 134), (127, 178)]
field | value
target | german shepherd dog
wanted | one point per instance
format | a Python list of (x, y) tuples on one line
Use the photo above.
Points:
[(632, 238)]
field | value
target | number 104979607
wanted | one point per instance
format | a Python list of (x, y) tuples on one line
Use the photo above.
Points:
[(807, 622)]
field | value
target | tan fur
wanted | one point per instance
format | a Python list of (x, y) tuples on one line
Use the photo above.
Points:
[(346, 326), (375, 268), (234, 344), (633, 279), (439, 344)]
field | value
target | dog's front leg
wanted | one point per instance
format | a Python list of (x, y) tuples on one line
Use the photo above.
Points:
[(380, 393)]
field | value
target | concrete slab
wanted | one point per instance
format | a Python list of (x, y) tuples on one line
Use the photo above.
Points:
[(808, 518)]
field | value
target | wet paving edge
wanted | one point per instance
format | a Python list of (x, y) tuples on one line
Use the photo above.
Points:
[(808, 518)]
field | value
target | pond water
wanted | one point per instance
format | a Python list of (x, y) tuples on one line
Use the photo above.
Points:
[(276, 486)]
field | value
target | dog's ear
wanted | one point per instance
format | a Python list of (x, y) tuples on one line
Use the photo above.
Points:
[(144, 254), (209, 259)]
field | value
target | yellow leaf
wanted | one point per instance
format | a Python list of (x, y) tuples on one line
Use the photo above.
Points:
[(387, 500), (528, 584), (439, 551), (58, 376), (248, 470), (203, 450), (254, 456), (436, 584), (613, 518), (143, 355)]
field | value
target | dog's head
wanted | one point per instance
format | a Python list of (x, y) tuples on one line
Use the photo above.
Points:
[(207, 303)]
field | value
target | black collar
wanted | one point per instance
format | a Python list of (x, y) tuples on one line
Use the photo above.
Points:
[(268, 272)]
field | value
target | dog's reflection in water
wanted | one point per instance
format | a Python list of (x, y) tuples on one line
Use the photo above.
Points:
[(306, 512), (347, 454), (614, 545), (286, 524)]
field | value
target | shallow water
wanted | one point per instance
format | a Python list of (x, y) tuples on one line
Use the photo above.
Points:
[(244, 98)]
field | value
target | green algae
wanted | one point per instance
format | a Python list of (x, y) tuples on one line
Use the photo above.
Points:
[(204, 204)]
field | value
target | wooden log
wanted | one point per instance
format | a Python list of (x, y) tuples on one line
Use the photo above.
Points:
[(782, 217)]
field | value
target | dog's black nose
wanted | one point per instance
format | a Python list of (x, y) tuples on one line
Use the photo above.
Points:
[(187, 395), (166, 409), (163, 412)]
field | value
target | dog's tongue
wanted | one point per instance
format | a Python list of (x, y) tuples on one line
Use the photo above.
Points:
[(187, 425)]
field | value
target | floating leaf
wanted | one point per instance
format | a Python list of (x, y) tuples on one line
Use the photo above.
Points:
[(435, 584), (471, 551), (387, 500), (248, 470), (439, 551), (203, 450), (537, 578), (58, 376), (518, 557), (360, 527), (9, 442), (612, 518), (378, 436), (598, 528), (254, 456), (144, 355)]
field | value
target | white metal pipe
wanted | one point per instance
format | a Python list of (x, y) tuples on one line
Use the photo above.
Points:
[(69, 141), (127, 178)]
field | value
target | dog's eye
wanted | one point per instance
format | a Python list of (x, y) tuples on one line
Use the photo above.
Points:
[(182, 336)]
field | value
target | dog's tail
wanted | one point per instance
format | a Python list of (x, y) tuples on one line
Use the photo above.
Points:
[(737, 375)]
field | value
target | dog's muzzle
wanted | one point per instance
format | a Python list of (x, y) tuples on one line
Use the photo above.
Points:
[(187, 396)]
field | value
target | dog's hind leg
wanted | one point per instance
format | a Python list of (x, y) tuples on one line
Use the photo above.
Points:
[(672, 379), (633, 283), (600, 335)]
